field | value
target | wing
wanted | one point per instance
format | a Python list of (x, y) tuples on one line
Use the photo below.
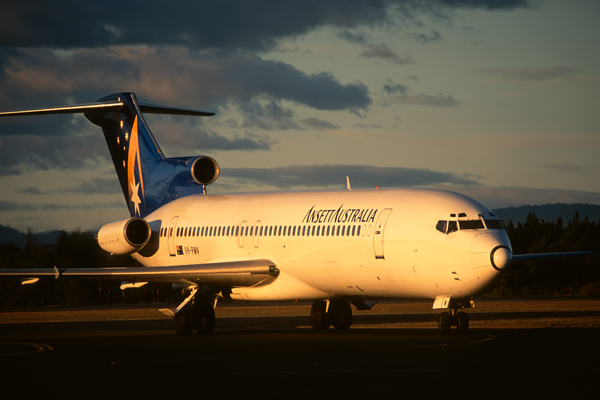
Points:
[(232, 274), (550, 256)]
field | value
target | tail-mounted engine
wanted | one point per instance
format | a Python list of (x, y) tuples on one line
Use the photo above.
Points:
[(205, 170), (124, 237)]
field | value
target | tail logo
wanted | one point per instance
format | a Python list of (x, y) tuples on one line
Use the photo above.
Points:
[(134, 169)]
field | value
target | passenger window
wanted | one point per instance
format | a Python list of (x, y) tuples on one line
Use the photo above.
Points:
[(358, 231)]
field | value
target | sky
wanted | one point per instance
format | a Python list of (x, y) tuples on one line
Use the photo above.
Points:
[(495, 99)]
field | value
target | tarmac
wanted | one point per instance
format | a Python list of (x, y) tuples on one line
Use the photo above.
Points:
[(381, 356)]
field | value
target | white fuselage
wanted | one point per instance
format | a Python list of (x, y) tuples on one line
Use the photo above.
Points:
[(365, 243)]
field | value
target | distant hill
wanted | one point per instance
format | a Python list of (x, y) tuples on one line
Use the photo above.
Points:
[(550, 212)]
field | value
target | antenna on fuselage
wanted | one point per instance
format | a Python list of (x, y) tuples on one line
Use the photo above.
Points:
[(348, 183)]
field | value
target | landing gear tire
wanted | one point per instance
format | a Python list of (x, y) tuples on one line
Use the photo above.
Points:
[(183, 323), (341, 314), (462, 322), (205, 318), (319, 319), (444, 322)]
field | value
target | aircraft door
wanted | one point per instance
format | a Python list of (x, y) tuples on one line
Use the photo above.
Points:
[(171, 236), (242, 232), (379, 231), (256, 233)]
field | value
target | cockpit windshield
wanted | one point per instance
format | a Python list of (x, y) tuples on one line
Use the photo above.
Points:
[(450, 226)]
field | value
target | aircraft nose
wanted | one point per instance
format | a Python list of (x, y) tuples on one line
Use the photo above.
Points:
[(490, 254), (500, 257)]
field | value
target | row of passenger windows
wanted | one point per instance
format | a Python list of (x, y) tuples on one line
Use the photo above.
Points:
[(325, 230)]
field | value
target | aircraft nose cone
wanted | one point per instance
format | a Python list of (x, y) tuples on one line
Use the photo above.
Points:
[(500, 257)]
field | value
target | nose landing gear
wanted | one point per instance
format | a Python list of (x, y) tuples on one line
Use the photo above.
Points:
[(456, 318)]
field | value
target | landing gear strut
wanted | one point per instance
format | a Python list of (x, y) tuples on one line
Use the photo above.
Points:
[(338, 314), (199, 316), (459, 319)]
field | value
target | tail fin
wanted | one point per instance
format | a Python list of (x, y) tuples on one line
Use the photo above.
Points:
[(148, 179)]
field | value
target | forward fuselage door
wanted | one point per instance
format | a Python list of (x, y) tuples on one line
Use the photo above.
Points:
[(256, 233), (241, 236), (379, 231), (171, 237)]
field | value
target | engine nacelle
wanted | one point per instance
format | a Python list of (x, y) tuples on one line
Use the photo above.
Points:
[(124, 237), (205, 170)]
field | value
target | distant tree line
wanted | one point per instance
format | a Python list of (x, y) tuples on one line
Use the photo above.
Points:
[(78, 249), (575, 276)]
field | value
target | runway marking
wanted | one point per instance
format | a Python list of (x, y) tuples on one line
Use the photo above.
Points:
[(38, 348)]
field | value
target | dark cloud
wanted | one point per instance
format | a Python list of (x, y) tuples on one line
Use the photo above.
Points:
[(384, 52), (316, 176), (174, 74), (439, 100), (424, 38), (319, 124), (249, 75), (488, 4), (391, 88), (531, 74), (231, 24)]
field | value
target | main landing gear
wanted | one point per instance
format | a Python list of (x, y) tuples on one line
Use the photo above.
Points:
[(199, 316), (336, 312), (460, 319), (195, 312)]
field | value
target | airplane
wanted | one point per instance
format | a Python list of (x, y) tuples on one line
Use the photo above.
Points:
[(333, 247)]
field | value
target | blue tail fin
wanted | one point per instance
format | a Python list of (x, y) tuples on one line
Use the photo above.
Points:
[(147, 178)]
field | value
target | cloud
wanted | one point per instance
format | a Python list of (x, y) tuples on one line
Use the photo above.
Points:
[(563, 168), (319, 124), (233, 24), (327, 175), (531, 74), (439, 100), (434, 36), (391, 88), (499, 197), (385, 53)]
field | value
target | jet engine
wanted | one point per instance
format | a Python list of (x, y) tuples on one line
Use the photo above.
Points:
[(205, 170), (124, 237)]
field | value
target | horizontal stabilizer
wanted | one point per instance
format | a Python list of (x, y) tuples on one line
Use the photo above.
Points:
[(152, 109), (107, 107), (79, 108)]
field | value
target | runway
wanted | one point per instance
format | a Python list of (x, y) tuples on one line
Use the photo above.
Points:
[(279, 357)]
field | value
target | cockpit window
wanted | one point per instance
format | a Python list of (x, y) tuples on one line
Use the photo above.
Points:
[(471, 224), (441, 226), (493, 224), (452, 226)]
